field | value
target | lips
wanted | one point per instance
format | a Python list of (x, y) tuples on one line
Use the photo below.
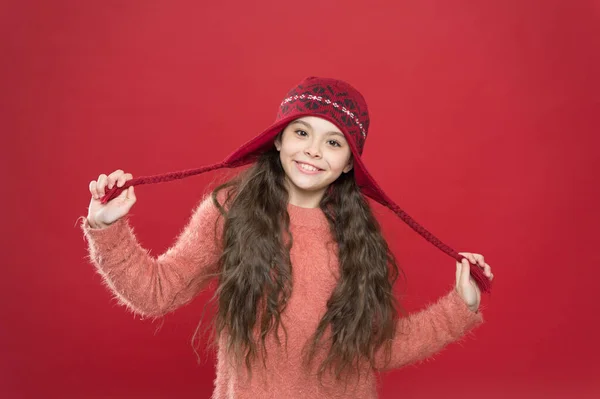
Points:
[(298, 165), (309, 164)]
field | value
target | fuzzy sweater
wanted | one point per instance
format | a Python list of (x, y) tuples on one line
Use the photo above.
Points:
[(154, 286)]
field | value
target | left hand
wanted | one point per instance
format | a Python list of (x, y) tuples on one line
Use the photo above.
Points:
[(465, 285)]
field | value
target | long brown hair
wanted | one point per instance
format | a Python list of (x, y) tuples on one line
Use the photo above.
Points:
[(255, 279)]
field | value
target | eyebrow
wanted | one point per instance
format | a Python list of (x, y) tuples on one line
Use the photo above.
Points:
[(308, 125)]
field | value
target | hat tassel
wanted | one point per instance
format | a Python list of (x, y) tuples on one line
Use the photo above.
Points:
[(481, 280), (115, 191)]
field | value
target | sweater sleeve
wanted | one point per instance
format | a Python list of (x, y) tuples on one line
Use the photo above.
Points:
[(154, 286), (425, 333)]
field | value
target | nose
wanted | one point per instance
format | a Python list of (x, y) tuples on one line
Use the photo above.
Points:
[(313, 150)]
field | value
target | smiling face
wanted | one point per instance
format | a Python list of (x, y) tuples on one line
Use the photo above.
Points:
[(313, 153)]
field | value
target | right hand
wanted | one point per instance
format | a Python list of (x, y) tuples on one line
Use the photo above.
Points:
[(102, 215)]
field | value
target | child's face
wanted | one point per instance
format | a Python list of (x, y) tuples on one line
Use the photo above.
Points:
[(317, 142)]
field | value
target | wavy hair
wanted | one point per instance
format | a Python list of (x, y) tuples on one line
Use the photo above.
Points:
[(255, 279)]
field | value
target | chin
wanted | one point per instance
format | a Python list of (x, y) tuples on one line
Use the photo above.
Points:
[(305, 187), (302, 185)]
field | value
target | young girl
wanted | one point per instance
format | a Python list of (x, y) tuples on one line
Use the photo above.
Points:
[(305, 277)]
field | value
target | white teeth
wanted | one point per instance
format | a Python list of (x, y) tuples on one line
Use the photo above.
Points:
[(307, 167)]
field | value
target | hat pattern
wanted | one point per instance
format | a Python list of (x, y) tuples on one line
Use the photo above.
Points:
[(333, 99)]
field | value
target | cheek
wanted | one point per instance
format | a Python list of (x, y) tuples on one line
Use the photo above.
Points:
[(290, 147), (338, 162)]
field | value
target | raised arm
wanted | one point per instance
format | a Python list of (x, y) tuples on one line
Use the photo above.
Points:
[(425, 333), (151, 286)]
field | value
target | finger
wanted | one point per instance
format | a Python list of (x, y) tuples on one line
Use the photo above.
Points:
[(92, 187), (131, 194), (490, 269), (476, 288), (112, 178), (469, 256), (487, 270), (458, 272), (123, 178), (465, 273), (480, 259), (101, 184)]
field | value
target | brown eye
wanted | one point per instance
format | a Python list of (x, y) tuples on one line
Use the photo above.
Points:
[(335, 143), (299, 132)]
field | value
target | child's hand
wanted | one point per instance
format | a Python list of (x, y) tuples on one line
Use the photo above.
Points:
[(101, 215), (465, 285)]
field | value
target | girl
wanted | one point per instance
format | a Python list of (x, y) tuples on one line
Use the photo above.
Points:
[(305, 277)]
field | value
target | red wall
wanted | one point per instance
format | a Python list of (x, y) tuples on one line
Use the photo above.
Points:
[(484, 129)]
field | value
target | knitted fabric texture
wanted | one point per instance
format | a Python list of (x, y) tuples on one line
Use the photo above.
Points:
[(154, 286)]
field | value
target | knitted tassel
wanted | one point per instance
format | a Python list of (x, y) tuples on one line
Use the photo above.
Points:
[(115, 191), (484, 284)]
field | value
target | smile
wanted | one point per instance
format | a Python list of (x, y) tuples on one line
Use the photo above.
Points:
[(304, 168)]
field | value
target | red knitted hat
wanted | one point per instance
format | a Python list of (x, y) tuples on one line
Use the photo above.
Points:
[(342, 105)]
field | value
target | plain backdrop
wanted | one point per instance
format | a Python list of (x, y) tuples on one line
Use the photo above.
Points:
[(484, 123)]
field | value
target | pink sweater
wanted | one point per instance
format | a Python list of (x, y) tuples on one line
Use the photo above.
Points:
[(153, 286)]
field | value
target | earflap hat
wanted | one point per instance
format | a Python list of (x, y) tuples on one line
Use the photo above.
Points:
[(344, 106)]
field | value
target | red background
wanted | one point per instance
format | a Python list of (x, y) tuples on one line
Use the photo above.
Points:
[(484, 121)]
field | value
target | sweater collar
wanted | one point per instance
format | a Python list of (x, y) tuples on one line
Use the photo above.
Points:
[(307, 217)]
